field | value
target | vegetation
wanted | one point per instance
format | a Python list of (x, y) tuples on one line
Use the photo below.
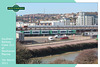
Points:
[(23, 55), (61, 49), (87, 57)]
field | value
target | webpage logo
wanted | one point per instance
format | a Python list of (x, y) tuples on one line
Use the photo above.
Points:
[(16, 8)]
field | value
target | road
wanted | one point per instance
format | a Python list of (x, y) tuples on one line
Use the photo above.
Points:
[(43, 39), (58, 44)]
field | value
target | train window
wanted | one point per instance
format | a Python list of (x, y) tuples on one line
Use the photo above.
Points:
[(45, 31), (35, 32), (26, 32), (54, 32), (63, 31), (70, 31), (86, 33)]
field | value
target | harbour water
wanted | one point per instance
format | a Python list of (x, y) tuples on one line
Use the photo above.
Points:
[(70, 56)]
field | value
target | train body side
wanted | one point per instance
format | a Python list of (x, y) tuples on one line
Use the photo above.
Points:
[(48, 32)]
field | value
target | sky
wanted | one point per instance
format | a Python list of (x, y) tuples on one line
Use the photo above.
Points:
[(56, 8)]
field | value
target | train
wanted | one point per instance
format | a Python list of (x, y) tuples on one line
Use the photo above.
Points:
[(47, 32), (90, 33)]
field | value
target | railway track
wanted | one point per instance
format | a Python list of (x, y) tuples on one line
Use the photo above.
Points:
[(90, 27)]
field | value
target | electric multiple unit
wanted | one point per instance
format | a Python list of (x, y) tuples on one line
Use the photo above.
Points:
[(48, 32)]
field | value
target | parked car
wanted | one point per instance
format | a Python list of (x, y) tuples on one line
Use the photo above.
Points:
[(64, 38), (50, 38), (57, 36)]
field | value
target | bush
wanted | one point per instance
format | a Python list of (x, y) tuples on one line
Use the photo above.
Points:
[(22, 55)]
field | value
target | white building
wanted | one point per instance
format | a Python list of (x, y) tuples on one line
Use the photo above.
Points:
[(48, 21), (83, 19), (61, 22), (96, 21), (51, 23), (57, 24), (67, 21), (71, 23), (21, 24), (89, 20)]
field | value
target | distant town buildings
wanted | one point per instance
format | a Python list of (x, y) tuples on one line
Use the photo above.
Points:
[(70, 15), (61, 22), (80, 18)]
